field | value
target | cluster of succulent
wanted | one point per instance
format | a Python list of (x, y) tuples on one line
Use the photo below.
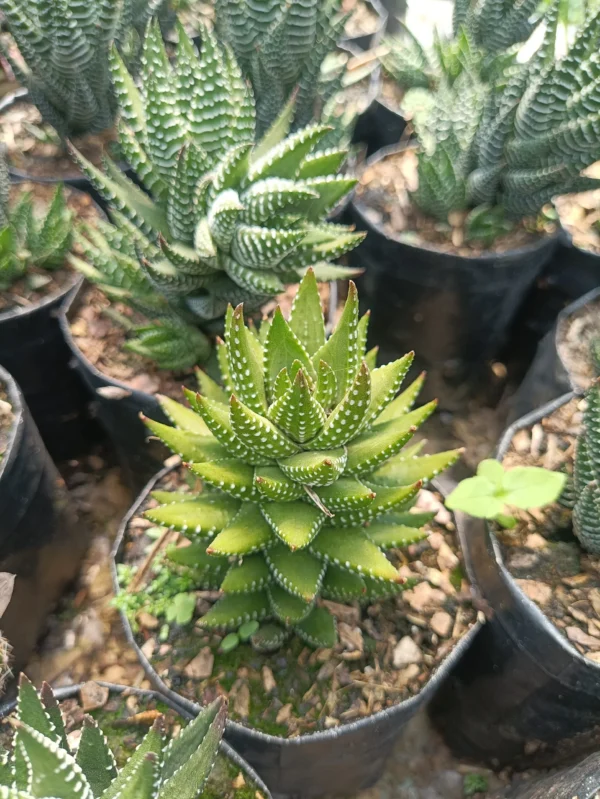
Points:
[(27, 242), (64, 48), (281, 48), (585, 487), (484, 39), (306, 480), (502, 151), (42, 764), (225, 219)]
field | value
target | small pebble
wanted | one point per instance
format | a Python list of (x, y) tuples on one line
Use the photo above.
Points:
[(406, 652)]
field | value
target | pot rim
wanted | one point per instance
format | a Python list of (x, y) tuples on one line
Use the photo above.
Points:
[(360, 207), (322, 735), (17, 402), (69, 691), (563, 317)]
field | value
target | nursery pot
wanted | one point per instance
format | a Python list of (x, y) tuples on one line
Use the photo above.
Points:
[(341, 761), (72, 691), (454, 310), (548, 378), (118, 408), (40, 541), (366, 41), (33, 349), (523, 695), (581, 781), (379, 125)]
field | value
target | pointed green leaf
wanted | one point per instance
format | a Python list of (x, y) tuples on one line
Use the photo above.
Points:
[(281, 385), (300, 573), (384, 441), (282, 348), (289, 609), (386, 499), (405, 471), (231, 476), (350, 548), (203, 515), (325, 162), (259, 434), (244, 356), (318, 629), (340, 351), (189, 446), (171, 497), (409, 518), (348, 416), (31, 711), (246, 533), (218, 420), (377, 590), (210, 389), (95, 758), (403, 402), (284, 160), (385, 384), (297, 411), (205, 731), (315, 468), (233, 610), (295, 525), (388, 536), (346, 493), (269, 638), (273, 484), (342, 585), (54, 714), (195, 557), (54, 771), (277, 132), (306, 318), (182, 417), (326, 385), (251, 574)]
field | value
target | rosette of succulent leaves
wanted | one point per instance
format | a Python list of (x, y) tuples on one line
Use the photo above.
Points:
[(42, 764), (63, 56), (225, 219), (284, 48), (500, 152), (306, 482), (485, 37), (31, 246), (584, 488)]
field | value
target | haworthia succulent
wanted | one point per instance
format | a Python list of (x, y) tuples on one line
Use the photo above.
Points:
[(224, 220), (63, 55), (586, 476), (43, 764), (318, 489)]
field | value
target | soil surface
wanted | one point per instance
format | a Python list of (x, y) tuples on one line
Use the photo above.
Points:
[(580, 216), (387, 651), (363, 21), (34, 147), (574, 339), (541, 552), (391, 94), (383, 194), (101, 339), (40, 284), (6, 420)]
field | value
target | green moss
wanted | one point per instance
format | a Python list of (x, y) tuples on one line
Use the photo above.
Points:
[(475, 783)]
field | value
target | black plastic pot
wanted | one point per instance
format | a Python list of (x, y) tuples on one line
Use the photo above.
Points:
[(33, 349), (523, 695), (396, 10), (547, 378), (580, 782), (368, 40), (71, 692), (378, 126), (40, 541), (118, 408), (341, 761), (578, 271), (454, 310)]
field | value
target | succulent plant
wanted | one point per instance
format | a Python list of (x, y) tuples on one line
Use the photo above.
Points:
[(43, 765), (306, 482), (64, 48), (27, 242), (227, 221), (281, 48), (586, 476), (508, 149)]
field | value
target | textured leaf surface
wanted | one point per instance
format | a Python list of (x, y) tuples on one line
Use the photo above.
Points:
[(246, 533), (351, 549), (296, 528)]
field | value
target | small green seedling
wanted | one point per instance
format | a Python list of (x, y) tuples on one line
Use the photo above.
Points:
[(247, 630), (181, 609), (475, 783), (230, 642), (488, 494)]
